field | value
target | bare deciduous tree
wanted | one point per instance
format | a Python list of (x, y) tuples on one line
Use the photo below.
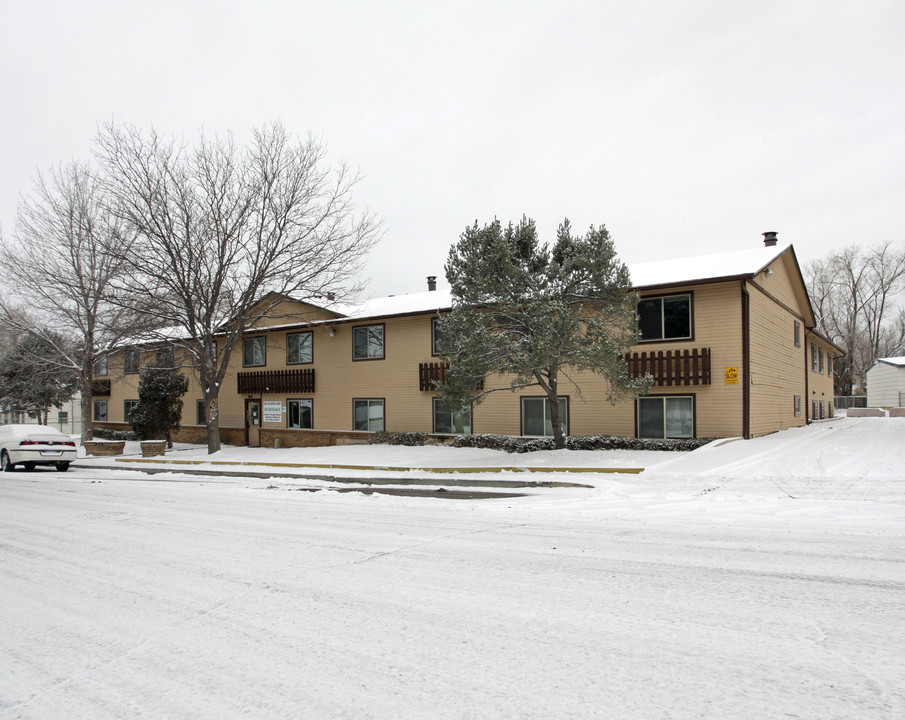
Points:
[(856, 293), (66, 252), (225, 232)]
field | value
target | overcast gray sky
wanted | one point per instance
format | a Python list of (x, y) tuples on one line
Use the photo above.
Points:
[(684, 127)]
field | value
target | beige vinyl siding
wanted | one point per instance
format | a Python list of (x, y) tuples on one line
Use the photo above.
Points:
[(777, 367), (820, 385)]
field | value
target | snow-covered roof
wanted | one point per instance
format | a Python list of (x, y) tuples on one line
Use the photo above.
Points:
[(895, 361), (649, 274), (704, 267)]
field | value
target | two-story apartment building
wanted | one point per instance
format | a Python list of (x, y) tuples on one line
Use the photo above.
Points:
[(729, 339)]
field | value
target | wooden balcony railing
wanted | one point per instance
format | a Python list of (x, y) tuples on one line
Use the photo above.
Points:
[(672, 367), (100, 387), (428, 373), (299, 380)]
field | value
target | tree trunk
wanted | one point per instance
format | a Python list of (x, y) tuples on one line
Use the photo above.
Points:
[(86, 404), (212, 419), (551, 388)]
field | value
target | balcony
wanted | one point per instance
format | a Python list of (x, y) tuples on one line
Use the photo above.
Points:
[(100, 387), (429, 373), (671, 367), (276, 381)]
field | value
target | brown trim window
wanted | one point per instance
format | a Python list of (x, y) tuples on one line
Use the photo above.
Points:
[(100, 365), (369, 414), (813, 357), (254, 351), (300, 414), (665, 416), (668, 317), (368, 342), (130, 362), (128, 407), (797, 405), (536, 416), (100, 411), (820, 360), (300, 348), (436, 338), (200, 415), (797, 334), (451, 422)]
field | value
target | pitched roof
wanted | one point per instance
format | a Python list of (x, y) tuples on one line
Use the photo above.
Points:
[(716, 266), (894, 361)]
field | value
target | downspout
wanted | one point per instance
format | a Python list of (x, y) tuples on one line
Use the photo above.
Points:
[(807, 380), (746, 363)]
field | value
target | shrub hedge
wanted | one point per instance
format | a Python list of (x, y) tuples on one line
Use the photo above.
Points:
[(522, 445)]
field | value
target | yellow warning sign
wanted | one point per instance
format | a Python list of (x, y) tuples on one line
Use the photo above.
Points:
[(732, 376)]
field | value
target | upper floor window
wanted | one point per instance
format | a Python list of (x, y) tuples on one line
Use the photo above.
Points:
[(130, 361), (165, 357), (436, 337), (100, 365), (299, 348), (367, 342), (813, 357), (797, 334), (820, 359), (254, 351), (665, 318)]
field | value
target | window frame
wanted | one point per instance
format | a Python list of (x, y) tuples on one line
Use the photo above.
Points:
[(165, 357), (100, 366), (797, 334), (369, 400), (435, 352), (437, 401), (383, 341), (796, 405), (200, 415), (665, 397), (94, 411), (131, 362), (128, 405), (813, 357), (289, 360), (566, 415), (820, 359), (289, 403), (685, 338), (254, 339)]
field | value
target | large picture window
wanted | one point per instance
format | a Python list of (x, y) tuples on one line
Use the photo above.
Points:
[(449, 421), (254, 351), (367, 342), (669, 416), (299, 348), (300, 414), (665, 318), (368, 414), (536, 418)]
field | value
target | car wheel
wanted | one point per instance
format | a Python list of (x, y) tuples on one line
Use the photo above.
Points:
[(62, 466), (5, 464), (29, 466)]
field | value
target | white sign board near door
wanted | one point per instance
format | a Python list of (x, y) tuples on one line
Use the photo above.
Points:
[(273, 411)]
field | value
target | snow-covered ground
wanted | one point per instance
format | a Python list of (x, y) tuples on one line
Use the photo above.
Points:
[(750, 579)]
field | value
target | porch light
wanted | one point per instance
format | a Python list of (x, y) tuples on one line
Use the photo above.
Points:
[(768, 273)]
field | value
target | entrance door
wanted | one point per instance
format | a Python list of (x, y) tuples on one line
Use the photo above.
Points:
[(253, 423)]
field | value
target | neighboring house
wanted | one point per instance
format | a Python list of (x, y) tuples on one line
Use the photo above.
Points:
[(67, 419), (886, 383), (729, 339)]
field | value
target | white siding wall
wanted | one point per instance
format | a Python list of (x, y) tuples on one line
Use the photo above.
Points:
[(884, 383)]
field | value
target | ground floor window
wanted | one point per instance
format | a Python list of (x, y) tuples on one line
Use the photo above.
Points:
[(536, 418), (300, 414), (797, 406), (200, 415), (814, 411), (822, 410), (668, 416), (449, 421), (128, 407), (368, 414), (100, 411)]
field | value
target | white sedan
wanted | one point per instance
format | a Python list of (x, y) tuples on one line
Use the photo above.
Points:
[(33, 445)]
